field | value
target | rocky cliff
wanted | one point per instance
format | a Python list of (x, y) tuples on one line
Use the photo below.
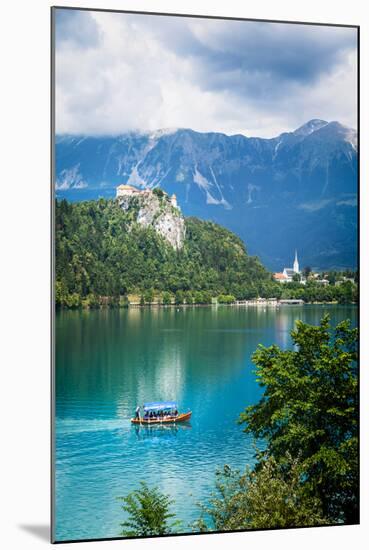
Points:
[(154, 209)]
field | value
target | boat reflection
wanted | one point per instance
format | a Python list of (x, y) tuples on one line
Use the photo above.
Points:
[(160, 430)]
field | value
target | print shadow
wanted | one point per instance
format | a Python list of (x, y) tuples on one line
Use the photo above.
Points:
[(40, 531)]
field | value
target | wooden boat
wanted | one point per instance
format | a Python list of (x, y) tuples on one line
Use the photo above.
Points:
[(165, 420), (169, 414)]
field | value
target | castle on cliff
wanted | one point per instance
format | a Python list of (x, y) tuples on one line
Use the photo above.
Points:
[(130, 191)]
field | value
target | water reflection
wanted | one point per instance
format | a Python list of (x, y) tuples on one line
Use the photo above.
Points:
[(160, 430), (107, 362)]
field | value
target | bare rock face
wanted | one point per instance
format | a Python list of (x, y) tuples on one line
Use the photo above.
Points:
[(157, 212), (172, 228)]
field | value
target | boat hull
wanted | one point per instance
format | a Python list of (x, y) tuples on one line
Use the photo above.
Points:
[(148, 422)]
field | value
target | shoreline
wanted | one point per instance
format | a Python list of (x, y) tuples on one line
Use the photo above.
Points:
[(244, 304)]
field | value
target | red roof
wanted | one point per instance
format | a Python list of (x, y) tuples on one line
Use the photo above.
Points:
[(279, 276)]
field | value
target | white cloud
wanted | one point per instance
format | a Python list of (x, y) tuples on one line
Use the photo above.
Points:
[(139, 73)]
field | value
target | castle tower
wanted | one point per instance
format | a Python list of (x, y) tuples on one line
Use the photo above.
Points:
[(296, 266), (173, 200)]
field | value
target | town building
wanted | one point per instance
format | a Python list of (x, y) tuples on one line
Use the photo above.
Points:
[(286, 276), (288, 273), (296, 267), (280, 277)]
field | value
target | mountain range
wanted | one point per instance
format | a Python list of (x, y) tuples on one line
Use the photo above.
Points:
[(295, 191)]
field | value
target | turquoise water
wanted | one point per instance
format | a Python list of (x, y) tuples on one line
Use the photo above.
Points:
[(108, 361)]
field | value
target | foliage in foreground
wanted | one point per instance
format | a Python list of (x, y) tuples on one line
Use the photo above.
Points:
[(148, 513), (310, 409), (308, 417), (268, 497)]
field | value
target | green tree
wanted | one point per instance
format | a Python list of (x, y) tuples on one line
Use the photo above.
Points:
[(166, 298), (73, 300), (249, 292), (60, 294), (188, 297), (206, 297), (148, 513), (91, 301), (179, 297), (148, 296), (332, 277), (347, 294), (198, 297), (226, 299), (158, 192), (263, 498), (310, 409), (123, 301)]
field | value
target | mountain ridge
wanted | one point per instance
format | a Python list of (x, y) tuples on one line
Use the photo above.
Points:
[(296, 190)]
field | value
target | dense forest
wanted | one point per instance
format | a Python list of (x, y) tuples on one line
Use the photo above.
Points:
[(103, 255), (102, 252)]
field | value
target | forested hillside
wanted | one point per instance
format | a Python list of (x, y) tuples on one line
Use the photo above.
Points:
[(101, 251)]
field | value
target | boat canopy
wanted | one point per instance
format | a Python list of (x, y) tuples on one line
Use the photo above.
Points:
[(160, 406)]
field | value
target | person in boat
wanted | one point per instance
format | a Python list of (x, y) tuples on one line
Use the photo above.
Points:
[(175, 413), (138, 408)]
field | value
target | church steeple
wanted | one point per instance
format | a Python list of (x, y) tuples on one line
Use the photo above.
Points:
[(296, 266)]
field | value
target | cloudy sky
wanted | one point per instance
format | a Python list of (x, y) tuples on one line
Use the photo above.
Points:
[(120, 72)]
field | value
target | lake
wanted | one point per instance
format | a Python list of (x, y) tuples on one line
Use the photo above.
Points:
[(108, 361)]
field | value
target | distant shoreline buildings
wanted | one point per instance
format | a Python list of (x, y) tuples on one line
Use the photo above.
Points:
[(288, 273)]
